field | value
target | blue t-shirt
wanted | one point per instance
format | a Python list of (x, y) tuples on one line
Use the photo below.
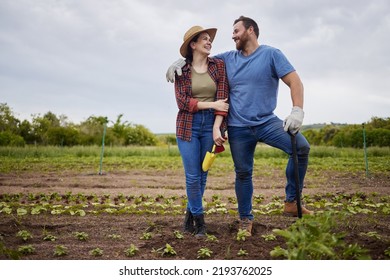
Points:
[(254, 83)]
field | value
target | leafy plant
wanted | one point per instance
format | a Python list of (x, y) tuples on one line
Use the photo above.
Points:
[(82, 236), (387, 252), (96, 252), (21, 211), (178, 234), (372, 234), (60, 250), (269, 237), (204, 253), (146, 236), (167, 250), (242, 234), (24, 234), (211, 238), (311, 238), (26, 249), (354, 251), (114, 236), (49, 237), (242, 253), (131, 251)]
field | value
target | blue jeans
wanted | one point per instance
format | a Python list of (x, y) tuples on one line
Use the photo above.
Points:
[(243, 142), (192, 153)]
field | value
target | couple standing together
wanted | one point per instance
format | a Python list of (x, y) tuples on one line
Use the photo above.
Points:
[(236, 90)]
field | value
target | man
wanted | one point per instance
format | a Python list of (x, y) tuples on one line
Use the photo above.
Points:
[(254, 72)]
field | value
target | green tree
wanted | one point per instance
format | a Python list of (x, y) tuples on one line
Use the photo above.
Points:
[(9, 127), (119, 130), (140, 135), (63, 136), (7, 120), (379, 123), (91, 131)]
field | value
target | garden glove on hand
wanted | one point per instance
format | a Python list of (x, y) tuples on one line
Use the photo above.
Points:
[(294, 121), (175, 67)]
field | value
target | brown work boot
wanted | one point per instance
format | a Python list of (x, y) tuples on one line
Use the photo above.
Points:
[(290, 209), (246, 224)]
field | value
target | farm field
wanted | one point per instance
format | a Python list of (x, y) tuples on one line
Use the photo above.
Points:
[(54, 204)]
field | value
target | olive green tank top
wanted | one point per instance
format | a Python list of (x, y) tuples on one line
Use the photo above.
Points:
[(203, 86)]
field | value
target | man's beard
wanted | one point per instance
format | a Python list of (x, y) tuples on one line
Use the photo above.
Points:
[(242, 42)]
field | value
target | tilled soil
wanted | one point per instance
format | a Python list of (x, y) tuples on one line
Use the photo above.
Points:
[(114, 233)]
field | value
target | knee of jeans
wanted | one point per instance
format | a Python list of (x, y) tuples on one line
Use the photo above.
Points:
[(192, 179), (242, 175), (304, 150)]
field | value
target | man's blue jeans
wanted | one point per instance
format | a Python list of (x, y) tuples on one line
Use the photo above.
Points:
[(243, 142), (192, 153)]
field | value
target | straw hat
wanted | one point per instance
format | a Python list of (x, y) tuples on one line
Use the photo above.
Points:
[(191, 33)]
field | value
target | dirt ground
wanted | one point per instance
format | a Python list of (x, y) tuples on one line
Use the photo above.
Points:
[(113, 233)]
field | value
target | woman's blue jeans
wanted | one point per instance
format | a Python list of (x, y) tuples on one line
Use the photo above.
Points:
[(243, 141), (192, 153)]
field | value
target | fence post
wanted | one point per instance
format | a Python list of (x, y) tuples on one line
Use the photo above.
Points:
[(102, 153), (365, 149)]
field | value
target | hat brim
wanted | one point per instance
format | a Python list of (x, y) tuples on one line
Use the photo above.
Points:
[(184, 47)]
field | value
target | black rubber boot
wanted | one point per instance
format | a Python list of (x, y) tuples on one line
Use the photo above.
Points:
[(189, 222), (200, 226)]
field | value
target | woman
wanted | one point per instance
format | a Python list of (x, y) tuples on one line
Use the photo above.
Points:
[(201, 96)]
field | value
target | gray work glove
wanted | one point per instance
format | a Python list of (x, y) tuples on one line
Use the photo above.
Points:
[(175, 67), (294, 121)]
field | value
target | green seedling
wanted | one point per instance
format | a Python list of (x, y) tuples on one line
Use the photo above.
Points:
[(242, 234), (372, 234), (82, 236), (387, 252), (211, 238), (258, 198), (21, 211), (204, 253), (269, 237), (96, 252), (167, 250), (49, 237), (355, 252), (131, 251), (242, 253), (146, 236), (26, 249), (178, 234), (24, 234), (115, 236), (60, 250)]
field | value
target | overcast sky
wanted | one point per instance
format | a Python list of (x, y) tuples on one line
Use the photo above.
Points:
[(109, 57)]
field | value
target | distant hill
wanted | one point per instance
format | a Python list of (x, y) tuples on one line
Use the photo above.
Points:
[(321, 125)]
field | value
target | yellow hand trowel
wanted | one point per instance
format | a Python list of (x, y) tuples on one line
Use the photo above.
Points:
[(210, 157)]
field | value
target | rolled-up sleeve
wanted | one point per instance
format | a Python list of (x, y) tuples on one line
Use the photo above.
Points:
[(222, 83)]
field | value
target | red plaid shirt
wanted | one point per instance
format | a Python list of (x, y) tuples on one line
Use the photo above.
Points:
[(188, 105)]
